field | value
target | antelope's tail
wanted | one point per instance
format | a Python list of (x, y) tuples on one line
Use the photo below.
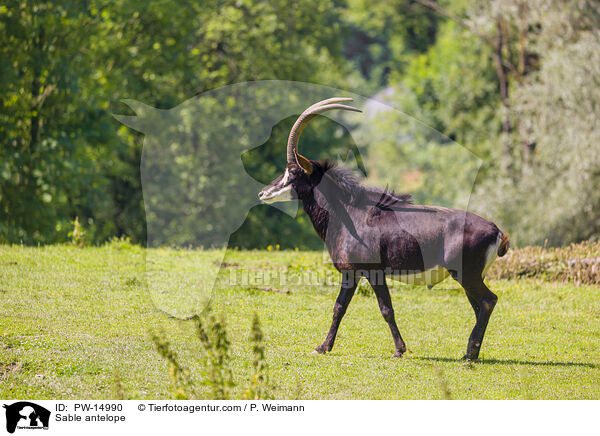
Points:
[(504, 245)]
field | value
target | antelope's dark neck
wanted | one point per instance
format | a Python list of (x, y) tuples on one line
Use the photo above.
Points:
[(318, 215)]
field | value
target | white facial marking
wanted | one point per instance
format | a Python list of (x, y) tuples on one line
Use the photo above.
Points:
[(282, 191), (286, 177), (283, 194)]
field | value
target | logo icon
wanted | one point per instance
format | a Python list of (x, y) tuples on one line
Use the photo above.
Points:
[(26, 415)]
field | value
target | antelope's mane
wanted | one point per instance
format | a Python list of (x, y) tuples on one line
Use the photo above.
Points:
[(353, 192)]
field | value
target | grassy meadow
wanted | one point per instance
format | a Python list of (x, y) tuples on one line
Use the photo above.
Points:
[(76, 323)]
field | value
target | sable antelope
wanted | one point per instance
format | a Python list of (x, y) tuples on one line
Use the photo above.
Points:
[(374, 233)]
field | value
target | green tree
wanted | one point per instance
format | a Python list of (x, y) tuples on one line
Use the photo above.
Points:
[(547, 189), (65, 66)]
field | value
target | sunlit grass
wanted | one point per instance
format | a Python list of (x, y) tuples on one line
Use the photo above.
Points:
[(75, 323)]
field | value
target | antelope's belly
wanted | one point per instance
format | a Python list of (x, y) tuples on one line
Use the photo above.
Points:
[(429, 277)]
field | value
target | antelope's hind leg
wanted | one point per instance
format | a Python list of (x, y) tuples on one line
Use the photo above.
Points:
[(349, 282), (483, 302), (379, 285)]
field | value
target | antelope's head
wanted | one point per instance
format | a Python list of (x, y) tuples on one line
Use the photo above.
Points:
[(300, 176)]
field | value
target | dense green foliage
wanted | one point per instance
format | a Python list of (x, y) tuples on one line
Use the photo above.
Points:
[(65, 66), (514, 82), (80, 321)]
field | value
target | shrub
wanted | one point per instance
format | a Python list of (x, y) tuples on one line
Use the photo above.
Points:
[(578, 263), (215, 361), (260, 376), (78, 234)]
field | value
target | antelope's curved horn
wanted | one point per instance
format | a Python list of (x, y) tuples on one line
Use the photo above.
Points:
[(310, 113), (329, 101)]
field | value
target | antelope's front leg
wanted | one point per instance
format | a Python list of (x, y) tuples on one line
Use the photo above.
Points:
[(379, 285), (349, 283)]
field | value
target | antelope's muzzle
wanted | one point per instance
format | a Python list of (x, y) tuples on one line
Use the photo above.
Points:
[(279, 189)]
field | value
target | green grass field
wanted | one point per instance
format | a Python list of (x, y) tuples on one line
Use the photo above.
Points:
[(75, 323)]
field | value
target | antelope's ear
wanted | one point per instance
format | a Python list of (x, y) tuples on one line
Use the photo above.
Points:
[(136, 122), (304, 163)]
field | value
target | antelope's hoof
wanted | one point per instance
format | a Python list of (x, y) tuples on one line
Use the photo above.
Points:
[(469, 357), (398, 354), (320, 350)]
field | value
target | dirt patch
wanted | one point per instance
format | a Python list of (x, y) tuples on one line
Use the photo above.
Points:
[(256, 289), (8, 369), (226, 264)]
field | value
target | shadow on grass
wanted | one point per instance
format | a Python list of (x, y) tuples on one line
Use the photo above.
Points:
[(511, 362)]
